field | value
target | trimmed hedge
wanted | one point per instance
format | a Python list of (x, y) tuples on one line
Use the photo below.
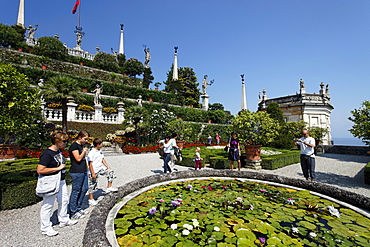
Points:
[(367, 173), (18, 179), (280, 160)]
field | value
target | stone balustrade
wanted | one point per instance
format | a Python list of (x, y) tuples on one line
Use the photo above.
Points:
[(74, 115)]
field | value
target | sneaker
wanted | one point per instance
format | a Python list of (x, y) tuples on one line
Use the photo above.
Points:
[(69, 223), (92, 202), (50, 233), (111, 189), (84, 211), (77, 216)]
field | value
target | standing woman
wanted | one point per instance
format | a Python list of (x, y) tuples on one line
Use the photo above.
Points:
[(78, 173), (167, 154), (52, 162), (234, 151)]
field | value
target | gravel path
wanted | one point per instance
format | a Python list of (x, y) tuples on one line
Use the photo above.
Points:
[(21, 227)]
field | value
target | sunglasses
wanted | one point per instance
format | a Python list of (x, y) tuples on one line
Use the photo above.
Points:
[(65, 141)]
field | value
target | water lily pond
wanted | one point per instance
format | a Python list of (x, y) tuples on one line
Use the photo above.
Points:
[(221, 213)]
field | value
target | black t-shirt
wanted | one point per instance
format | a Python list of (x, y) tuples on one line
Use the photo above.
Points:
[(77, 167), (51, 159)]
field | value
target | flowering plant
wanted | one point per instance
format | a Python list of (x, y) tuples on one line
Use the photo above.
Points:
[(109, 110)]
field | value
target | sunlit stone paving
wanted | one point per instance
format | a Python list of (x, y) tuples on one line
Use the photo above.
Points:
[(236, 213)]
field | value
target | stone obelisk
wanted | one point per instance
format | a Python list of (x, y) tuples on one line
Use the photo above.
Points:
[(20, 19), (175, 74), (121, 48), (244, 97)]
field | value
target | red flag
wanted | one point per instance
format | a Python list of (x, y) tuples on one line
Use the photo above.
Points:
[(75, 7)]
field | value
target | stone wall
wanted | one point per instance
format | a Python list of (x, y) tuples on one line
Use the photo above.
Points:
[(339, 149)]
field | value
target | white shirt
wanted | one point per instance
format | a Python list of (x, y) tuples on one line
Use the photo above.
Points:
[(168, 147), (96, 156), (307, 150)]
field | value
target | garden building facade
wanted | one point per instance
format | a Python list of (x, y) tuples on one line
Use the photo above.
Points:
[(314, 109)]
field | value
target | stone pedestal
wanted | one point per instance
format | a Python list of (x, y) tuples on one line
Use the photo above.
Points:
[(121, 111), (71, 109), (205, 104), (253, 164), (98, 113)]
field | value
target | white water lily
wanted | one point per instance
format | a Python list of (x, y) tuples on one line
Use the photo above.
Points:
[(185, 232), (313, 235), (174, 226), (195, 223), (216, 229), (333, 211), (295, 230)]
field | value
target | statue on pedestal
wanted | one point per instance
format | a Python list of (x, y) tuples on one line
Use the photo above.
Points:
[(31, 31), (98, 90), (301, 83), (114, 52), (205, 84)]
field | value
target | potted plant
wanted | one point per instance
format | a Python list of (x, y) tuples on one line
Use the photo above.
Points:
[(318, 133), (19, 106), (182, 129), (157, 84), (255, 129)]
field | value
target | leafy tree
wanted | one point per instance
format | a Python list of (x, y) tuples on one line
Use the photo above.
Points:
[(36, 136), (217, 116), (50, 47), (216, 106), (158, 120), (121, 59), (148, 77), (138, 118), (106, 62), (275, 112), (186, 86), (255, 127), (287, 132), (361, 119), (133, 67), (19, 104), (60, 88), (10, 36), (181, 128)]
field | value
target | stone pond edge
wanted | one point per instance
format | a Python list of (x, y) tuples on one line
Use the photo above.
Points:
[(95, 231)]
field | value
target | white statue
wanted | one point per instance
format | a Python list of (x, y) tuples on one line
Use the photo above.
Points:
[(31, 31), (205, 84), (98, 90), (139, 101), (147, 57)]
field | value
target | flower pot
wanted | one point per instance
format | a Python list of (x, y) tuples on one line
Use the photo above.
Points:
[(150, 100), (209, 121), (84, 89), (20, 49), (43, 67), (253, 152), (180, 143), (156, 89), (190, 105), (8, 151), (81, 64)]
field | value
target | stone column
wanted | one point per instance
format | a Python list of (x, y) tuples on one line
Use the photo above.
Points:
[(20, 19), (244, 97), (121, 112), (121, 48), (98, 117), (71, 109), (205, 104), (175, 75)]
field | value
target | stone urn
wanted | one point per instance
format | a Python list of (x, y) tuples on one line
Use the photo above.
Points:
[(253, 156)]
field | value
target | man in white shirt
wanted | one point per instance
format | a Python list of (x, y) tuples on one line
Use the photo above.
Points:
[(307, 145)]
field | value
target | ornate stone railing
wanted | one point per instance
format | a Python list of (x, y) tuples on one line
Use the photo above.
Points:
[(73, 115)]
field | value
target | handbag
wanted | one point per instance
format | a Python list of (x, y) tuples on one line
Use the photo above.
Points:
[(161, 151), (48, 185), (226, 148)]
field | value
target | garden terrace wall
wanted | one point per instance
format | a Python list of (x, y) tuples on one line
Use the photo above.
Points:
[(95, 231), (352, 150), (367, 173)]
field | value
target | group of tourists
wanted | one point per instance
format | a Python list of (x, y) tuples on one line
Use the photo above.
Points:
[(306, 144), (217, 138), (86, 167)]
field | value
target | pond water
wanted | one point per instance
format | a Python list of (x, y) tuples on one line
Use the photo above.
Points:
[(235, 212)]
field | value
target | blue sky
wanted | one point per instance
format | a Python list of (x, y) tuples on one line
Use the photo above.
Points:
[(274, 43)]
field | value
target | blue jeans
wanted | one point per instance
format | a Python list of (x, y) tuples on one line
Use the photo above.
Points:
[(308, 166), (79, 188), (166, 159)]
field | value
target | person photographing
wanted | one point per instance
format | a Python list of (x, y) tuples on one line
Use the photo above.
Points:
[(307, 147)]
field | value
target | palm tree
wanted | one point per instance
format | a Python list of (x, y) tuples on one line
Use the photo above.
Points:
[(59, 88), (138, 118)]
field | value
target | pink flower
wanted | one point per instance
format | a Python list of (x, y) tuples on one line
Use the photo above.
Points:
[(263, 190), (161, 200)]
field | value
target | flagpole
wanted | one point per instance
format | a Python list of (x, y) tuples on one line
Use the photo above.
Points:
[(79, 15)]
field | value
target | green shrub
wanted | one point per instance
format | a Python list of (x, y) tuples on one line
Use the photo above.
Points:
[(367, 173), (18, 179), (280, 160)]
